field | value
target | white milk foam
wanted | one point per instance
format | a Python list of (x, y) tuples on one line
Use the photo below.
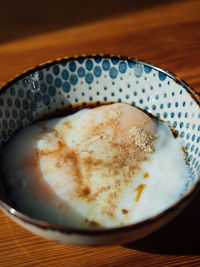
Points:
[(166, 171), (168, 174)]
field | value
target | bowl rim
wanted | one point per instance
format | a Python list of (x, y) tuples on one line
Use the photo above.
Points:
[(72, 230)]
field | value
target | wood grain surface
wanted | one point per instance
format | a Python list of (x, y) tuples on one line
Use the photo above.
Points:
[(166, 34)]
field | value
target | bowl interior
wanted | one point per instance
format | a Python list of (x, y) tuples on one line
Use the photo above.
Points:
[(78, 81)]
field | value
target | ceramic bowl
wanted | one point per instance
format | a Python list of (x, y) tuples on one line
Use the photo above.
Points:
[(96, 79)]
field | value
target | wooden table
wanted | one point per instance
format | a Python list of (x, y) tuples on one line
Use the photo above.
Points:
[(167, 35)]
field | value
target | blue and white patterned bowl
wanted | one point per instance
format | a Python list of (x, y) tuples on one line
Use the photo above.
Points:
[(62, 83)]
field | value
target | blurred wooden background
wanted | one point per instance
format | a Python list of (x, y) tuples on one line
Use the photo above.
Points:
[(165, 33)]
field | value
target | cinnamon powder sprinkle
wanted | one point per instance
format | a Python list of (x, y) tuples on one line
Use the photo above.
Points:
[(142, 139)]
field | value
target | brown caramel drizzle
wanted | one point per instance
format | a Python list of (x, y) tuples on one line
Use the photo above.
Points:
[(185, 152), (124, 211), (139, 190)]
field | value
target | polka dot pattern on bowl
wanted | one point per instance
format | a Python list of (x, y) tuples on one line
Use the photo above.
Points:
[(100, 79)]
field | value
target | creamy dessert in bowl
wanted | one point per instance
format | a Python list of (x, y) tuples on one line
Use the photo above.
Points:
[(99, 168), (103, 175)]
